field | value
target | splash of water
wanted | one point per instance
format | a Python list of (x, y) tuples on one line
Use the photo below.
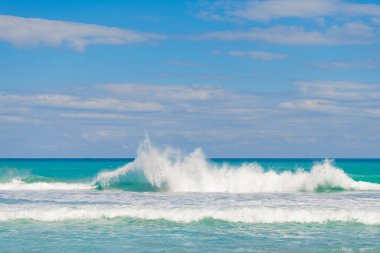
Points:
[(168, 170)]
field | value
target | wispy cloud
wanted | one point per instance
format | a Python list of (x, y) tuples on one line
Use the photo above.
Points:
[(341, 98), (312, 105), (339, 90), (188, 64), (29, 32), (260, 55), (258, 10), (67, 101), (95, 116), (163, 91), (10, 118), (104, 134), (347, 64), (375, 112), (122, 103), (201, 115), (349, 33)]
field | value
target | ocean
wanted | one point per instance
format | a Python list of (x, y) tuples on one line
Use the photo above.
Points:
[(167, 201)]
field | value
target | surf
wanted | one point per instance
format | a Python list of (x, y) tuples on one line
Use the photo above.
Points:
[(17, 184), (167, 169), (187, 215)]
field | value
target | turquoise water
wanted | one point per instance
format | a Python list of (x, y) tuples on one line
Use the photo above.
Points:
[(164, 201), (78, 170)]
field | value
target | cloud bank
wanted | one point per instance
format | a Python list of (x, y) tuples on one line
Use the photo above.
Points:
[(264, 11), (349, 33), (31, 32), (259, 55)]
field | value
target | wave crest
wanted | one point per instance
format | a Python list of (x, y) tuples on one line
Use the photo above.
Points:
[(168, 170)]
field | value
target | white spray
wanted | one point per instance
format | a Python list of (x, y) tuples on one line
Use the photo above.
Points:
[(168, 170)]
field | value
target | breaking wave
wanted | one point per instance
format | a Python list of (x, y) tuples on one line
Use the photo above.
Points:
[(17, 184), (186, 215), (167, 169)]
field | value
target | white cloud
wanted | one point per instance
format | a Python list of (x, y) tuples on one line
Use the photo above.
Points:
[(211, 10), (375, 112), (35, 32), (349, 33), (188, 64), (346, 64), (340, 90), (95, 116), (347, 98), (163, 91), (103, 135), (260, 55), (222, 114), (11, 119), (258, 10), (312, 105), (66, 101)]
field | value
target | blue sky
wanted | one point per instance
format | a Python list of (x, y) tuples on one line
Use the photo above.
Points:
[(238, 78)]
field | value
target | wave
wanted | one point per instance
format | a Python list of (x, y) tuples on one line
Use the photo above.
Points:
[(17, 184), (186, 215), (167, 169)]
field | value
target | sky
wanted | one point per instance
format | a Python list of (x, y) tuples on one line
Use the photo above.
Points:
[(274, 78)]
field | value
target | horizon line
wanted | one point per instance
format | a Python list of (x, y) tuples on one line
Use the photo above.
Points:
[(125, 158)]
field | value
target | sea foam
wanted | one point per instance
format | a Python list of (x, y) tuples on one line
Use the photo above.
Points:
[(168, 170), (186, 215), (17, 184)]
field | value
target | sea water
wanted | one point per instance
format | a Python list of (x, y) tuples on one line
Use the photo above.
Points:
[(166, 201)]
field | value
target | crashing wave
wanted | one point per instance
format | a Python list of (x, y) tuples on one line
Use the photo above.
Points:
[(168, 170)]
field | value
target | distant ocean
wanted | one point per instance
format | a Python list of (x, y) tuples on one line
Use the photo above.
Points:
[(164, 201)]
